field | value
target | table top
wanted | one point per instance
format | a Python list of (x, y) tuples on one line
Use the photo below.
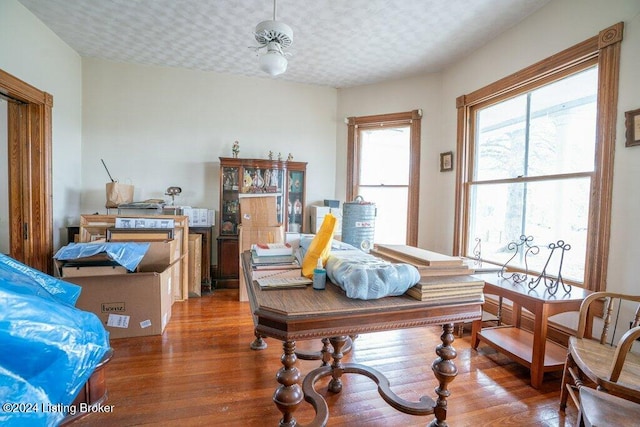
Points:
[(304, 313), (497, 285)]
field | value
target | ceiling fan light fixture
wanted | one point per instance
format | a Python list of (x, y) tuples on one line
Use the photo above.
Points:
[(273, 62), (274, 36)]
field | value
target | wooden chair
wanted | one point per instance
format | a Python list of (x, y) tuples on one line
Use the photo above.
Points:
[(598, 409), (599, 364)]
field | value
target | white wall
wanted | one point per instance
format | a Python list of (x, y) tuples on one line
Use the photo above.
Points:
[(33, 53), (158, 127), (624, 269), (557, 26)]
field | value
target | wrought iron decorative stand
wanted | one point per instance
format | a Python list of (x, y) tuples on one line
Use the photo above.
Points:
[(549, 282), (477, 252), (525, 248)]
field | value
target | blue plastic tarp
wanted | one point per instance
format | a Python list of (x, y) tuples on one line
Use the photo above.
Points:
[(49, 347), (21, 279), (127, 254)]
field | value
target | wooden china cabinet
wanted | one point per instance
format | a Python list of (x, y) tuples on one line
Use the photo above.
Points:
[(250, 178)]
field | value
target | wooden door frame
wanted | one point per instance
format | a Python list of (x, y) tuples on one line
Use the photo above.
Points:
[(29, 154)]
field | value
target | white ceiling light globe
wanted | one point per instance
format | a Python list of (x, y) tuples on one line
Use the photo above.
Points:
[(273, 63)]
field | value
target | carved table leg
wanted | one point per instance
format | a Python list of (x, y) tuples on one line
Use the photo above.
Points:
[(288, 395), (326, 352), (445, 371), (259, 343), (335, 385)]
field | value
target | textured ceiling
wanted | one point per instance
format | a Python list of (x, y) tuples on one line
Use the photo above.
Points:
[(337, 43)]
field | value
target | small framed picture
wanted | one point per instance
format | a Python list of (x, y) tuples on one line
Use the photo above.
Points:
[(632, 124), (446, 161)]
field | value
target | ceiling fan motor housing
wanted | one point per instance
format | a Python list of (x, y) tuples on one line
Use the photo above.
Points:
[(274, 31)]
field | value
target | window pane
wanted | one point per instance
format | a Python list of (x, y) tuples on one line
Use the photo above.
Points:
[(563, 125), (500, 140), (384, 156), (548, 211), (548, 131), (391, 213)]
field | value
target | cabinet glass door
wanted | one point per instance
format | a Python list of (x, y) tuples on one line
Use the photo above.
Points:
[(264, 181), (295, 205), (230, 203)]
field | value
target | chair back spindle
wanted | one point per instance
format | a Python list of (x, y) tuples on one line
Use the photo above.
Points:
[(636, 319), (608, 309)]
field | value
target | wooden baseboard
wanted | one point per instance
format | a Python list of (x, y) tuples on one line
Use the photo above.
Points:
[(227, 284)]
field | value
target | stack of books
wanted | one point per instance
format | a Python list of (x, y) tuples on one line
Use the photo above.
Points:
[(428, 263), (274, 265), (448, 289), (273, 249)]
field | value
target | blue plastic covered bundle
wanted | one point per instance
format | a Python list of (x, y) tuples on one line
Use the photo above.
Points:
[(49, 347), (127, 254), (363, 276)]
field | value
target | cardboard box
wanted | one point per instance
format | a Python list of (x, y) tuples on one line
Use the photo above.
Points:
[(88, 269), (129, 305), (159, 255), (195, 265), (157, 258), (94, 226), (258, 211), (180, 285), (133, 304), (248, 236), (199, 217)]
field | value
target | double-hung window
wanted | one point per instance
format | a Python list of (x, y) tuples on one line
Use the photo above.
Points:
[(383, 167), (537, 158)]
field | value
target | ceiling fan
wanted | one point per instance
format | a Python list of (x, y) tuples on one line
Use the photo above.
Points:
[(274, 36)]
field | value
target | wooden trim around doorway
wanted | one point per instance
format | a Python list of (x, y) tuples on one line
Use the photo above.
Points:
[(29, 123)]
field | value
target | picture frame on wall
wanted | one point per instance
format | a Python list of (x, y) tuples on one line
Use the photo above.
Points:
[(632, 126), (446, 161)]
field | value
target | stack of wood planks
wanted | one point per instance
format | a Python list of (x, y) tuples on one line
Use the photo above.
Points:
[(448, 289), (427, 262), (443, 278)]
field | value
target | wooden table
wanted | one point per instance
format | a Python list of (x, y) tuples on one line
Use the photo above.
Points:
[(531, 349), (301, 314)]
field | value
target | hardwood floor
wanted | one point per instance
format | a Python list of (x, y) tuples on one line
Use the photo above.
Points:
[(201, 371)]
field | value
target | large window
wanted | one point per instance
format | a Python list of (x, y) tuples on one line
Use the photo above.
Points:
[(537, 157), (532, 171), (384, 152)]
